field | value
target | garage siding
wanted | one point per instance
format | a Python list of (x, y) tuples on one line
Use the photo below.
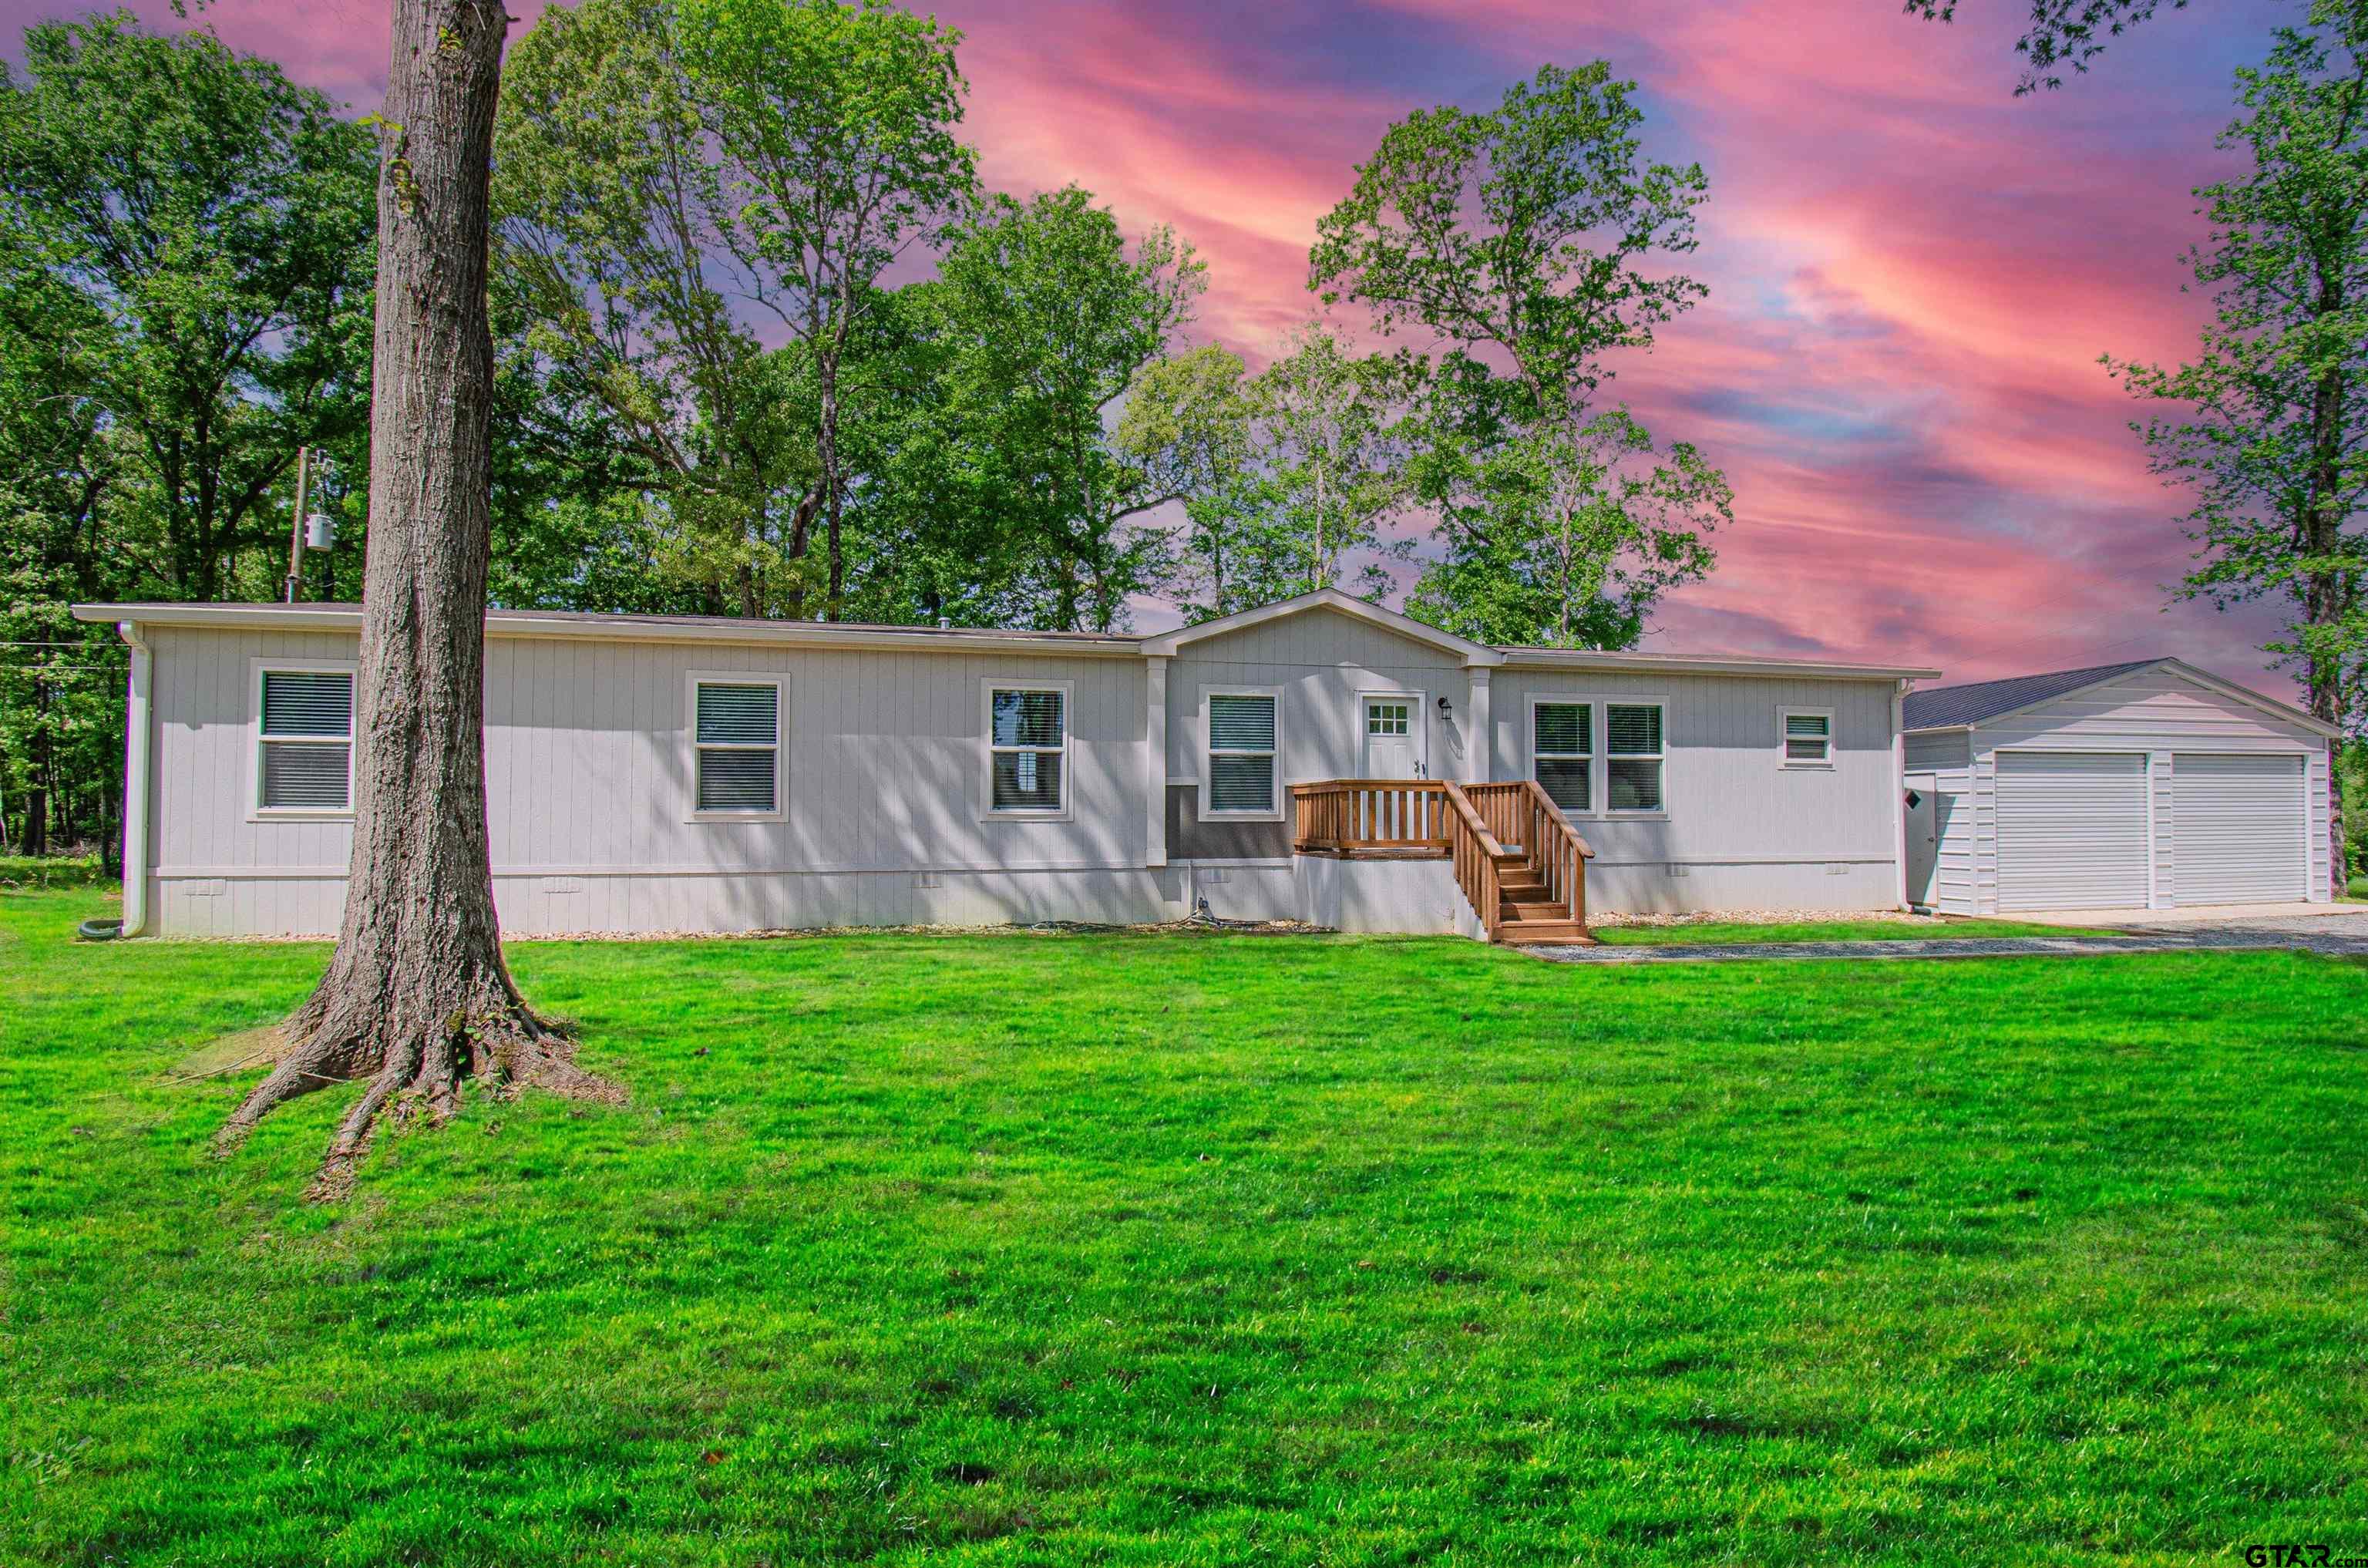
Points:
[(2170, 718)]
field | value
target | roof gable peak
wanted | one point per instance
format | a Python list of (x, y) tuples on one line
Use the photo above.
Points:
[(1472, 654)]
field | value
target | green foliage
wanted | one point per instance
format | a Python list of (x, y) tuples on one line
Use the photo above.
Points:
[(1045, 314), (1562, 538), (208, 228), (186, 245), (1314, 470), (836, 125), (1535, 241), (1184, 1250), (2274, 454), (662, 169), (2352, 777)]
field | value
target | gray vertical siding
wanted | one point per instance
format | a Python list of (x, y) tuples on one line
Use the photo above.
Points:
[(1319, 662), (589, 777), (1741, 830)]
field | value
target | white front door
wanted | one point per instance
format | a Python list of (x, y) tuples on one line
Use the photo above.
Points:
[(1393, 737)]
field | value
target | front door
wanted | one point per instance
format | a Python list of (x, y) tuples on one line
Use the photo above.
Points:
[(1923, 836), (1393, 737)]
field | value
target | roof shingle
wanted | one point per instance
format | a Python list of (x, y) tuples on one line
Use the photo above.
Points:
[(1948, 706)]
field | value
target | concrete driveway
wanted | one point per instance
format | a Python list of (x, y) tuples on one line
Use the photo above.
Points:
[(2342, 932)]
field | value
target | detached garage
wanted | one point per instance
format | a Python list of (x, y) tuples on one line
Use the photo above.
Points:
[(2150, 785)]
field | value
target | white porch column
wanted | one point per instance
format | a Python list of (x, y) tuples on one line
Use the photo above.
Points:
[(1154, 760), (1480, 737)]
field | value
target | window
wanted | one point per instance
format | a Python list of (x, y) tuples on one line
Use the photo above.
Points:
[(1028, 746), (306, 735), (1386, 718), (1631, 734), (1241, 753), (1562, 752), (739, 747), (1808, 736)]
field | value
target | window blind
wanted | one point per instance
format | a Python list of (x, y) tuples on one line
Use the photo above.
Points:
[(1807, 737), (1241, 752), (307, 739), (739, 735), (1241, 723), (1563, 746), (1633, 769), (1026, 741)]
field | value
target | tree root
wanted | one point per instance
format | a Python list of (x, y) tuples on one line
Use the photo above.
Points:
[(416, 1066)]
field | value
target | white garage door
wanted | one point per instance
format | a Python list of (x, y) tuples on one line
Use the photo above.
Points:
[(2071, 830), (2238, 829)]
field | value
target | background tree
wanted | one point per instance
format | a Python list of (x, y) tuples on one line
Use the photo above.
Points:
[(2272, 444), (210, 223), (838, 124), (2061, 33), (619, 257), (417, 996), (1567, 539), (1047, 315), (1536, 238), (185, 248)]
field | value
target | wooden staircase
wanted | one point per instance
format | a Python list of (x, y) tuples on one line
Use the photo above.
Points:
[(1526, 911), (1533, 892)]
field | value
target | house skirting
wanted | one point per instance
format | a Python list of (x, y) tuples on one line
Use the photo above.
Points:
[(1411, 896)]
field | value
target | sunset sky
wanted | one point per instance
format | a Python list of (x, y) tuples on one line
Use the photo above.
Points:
[(1912, 272)]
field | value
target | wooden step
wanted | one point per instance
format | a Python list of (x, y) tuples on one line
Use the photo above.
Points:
[(1538, 908), (1525, 933)]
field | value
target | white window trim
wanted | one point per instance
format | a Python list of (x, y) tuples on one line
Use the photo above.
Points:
[(988, 812), (1417, 723), (256, 670), (1208, 781), (691, 681), (1599, 771), (1594, 737), (1784, 758)]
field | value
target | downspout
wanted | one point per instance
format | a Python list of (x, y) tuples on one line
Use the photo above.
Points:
[(136, 751), (1900, 789)]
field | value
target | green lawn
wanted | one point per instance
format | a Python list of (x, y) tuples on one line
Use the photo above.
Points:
[(1204, 1249), (1724, 933)]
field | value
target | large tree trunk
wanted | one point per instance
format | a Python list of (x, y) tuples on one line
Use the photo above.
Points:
[(416, 996)]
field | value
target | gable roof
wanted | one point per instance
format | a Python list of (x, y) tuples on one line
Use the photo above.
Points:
[(1405, 626), (1946, 707), (1960, 707)]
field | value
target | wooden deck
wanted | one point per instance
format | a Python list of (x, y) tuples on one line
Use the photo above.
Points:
[(1521, 866)]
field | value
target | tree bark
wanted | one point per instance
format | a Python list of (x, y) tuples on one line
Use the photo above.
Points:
[(417, 996)]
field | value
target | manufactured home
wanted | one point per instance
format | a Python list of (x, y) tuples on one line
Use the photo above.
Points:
[(2148, 785), (1320, 759)]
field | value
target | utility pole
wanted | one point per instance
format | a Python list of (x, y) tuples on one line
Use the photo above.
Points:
[(296, 527)]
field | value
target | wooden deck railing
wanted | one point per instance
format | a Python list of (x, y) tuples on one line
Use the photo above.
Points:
[(1485, 829), (1475, 851), (1519, 816), (1369, 816)]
